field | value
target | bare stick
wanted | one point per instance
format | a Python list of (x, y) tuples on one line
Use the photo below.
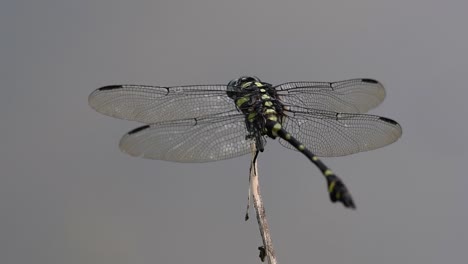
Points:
[(267, 249)]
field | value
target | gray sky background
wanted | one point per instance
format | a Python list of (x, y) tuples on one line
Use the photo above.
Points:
[(68, 195)]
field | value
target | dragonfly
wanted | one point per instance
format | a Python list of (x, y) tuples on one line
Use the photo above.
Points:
[(203, 123)]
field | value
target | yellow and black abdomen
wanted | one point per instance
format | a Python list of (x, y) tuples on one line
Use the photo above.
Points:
[(336, 188)]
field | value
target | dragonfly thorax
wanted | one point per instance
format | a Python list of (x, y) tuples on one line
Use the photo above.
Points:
[(254, 97), (258, 101)]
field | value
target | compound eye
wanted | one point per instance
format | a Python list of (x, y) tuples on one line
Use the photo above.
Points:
[(243, 79), (236, 82), (249, 79)]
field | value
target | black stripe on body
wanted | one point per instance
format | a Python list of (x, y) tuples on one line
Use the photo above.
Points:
[(336, 187)]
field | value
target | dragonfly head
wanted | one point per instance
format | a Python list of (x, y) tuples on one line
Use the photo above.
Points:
[(240, 83)]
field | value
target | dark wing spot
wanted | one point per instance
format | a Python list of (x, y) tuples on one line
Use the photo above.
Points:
[(369, 81), (110, 87), (388, 120), (138, 129)]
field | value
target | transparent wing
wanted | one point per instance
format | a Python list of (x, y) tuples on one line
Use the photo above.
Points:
[(193, 140), (350, 96), (152, 104), (329, 134)]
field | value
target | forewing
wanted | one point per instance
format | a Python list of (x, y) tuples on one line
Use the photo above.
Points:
[(190, 140), (350, 96), (152, 104), (329, 134)]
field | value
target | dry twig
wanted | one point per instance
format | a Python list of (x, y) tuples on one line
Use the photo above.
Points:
[(267, 249)]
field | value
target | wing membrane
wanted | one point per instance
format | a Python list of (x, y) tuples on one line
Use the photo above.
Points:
[(152, 104), (329, 134), (193, 140), (351, 96)]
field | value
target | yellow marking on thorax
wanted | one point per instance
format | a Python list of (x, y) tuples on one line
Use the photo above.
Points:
[(247, 84), (265, 97), (328, 172), (242, 100), (251, 117)]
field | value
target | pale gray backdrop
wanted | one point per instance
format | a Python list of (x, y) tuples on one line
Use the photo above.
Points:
[(68, 195)]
